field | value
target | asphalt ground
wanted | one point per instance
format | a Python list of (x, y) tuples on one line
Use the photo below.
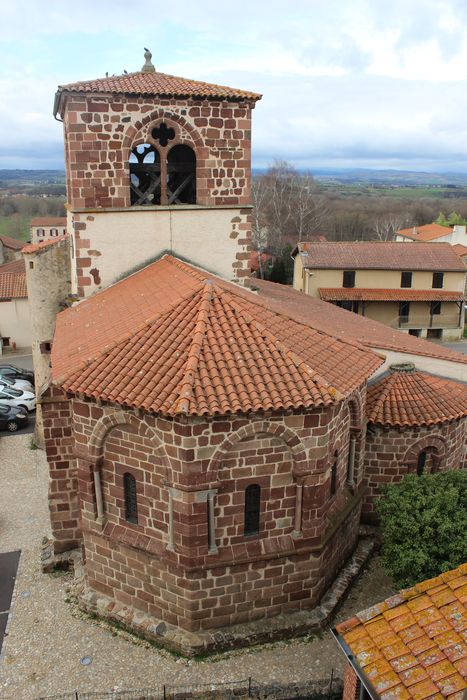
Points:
[(8, 567)]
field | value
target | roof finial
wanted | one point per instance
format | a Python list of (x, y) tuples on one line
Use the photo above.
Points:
[(148, 66)]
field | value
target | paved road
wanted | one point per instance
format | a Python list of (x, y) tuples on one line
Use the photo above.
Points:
[(458, 346), (8, 567), (24, 361)]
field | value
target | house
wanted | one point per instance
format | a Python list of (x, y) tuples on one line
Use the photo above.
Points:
[(205, 443), (421, 293), (15, 321), (433, 233), (411, 645), (43, 228), (10, 249)]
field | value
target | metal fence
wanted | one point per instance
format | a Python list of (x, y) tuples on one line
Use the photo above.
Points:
[(328, 689)]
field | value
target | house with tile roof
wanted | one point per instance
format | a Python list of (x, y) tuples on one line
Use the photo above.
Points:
[(205, 437), (418, 290), (10, 249), (15, 320), (410, 646), (46, 227), (433, 233)]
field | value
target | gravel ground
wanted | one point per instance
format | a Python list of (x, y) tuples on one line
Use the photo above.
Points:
[(47, 637)]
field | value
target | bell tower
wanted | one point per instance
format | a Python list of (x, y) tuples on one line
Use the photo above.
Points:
[(155, 163)]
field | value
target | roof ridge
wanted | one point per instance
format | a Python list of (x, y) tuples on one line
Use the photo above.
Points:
[(199, 335), (285, 350), (388, 382)]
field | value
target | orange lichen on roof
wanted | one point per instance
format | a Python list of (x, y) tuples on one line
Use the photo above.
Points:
[(427, 232), (36, 247), (410, 397), (174, 339), (13, 280), (361, 294), (414, 644), (155, 83)]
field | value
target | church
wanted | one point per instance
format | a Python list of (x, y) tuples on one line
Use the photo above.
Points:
[(213, 441)]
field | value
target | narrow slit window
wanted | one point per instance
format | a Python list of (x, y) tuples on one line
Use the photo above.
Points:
[(131, 503), (421, 461), (252, 509), (334, 476)]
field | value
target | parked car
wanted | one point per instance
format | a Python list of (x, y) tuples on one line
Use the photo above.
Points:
[(18, 398), (12, 418), (16, 373), (16, 383)]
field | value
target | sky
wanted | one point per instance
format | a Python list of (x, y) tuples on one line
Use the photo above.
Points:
[(345, 83)]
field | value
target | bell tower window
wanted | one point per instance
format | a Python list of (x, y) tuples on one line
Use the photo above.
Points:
[(145, 175), (181, 175)]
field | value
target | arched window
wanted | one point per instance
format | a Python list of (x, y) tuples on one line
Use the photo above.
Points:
[(252, 509), (145, 175), (181, 175), (334, 476), (129, 494), (421, 461)]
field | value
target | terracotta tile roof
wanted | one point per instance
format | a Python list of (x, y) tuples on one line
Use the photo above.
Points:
[(12, 243), (13, 280), (174, 339), (154, 84), (344, 324), (49, 221), (379, 255), (414, 644), (354, 294), (428, 232), (410, 397), (460, 249), (36, 247)]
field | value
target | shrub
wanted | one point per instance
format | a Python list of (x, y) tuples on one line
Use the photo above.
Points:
[(424, 522)]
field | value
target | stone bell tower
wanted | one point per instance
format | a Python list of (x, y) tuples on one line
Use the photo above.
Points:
[(155, 163)]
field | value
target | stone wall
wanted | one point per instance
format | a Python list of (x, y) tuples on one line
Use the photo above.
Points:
[(391, 453), (190, 470)]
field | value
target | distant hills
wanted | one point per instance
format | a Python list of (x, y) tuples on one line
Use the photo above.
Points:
[(383, 177), (31, 177)]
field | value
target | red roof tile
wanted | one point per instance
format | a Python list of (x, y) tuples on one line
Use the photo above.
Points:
[(155, 84), (13, 280), (174, 339), (420, 672), (354, 294), (379, 255), (409, 397), (428, 232), (49, 221), (36, 247), (460, 249), (12, 243), (344, 324)]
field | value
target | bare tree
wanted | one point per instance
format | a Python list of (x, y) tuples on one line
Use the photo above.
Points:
[(384, 227)]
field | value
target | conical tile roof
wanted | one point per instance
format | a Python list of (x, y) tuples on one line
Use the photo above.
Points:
[(408, 397), (172, 339)]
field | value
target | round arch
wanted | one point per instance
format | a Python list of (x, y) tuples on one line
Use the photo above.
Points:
[(434, 445)]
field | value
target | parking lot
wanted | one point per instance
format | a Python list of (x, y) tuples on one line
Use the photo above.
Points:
[(23, 362)]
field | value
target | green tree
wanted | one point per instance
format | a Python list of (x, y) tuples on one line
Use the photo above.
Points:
[(424, 522), (455, 219)]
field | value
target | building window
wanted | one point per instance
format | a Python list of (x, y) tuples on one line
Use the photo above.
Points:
[(404, 310), (252, 509), (406, 279), (129, 495), (348, 305), (181, 175), (434, 333), (415, 331), (145, 175), (40, 232), (435, 308), (54, 232), (421, 461), (438, 279), (348, 278), (334, 476)]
